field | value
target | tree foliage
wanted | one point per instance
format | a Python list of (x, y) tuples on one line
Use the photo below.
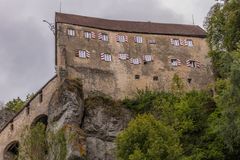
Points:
[(147, 138), (16, 104)]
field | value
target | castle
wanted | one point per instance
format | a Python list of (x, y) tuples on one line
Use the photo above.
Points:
[(118, 57), (115, 58)]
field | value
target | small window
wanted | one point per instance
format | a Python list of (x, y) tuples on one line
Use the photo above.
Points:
[(148, 58), (106, 57), (152, 41), (174, 62), (189, 80), (155, 78), (137, 76), (193, 64), (83, 54), (88, 35), (135, 61), (175, 42), (105, 37), (189, 43), (138, 39), (71, 32), (40, 97), (121, 38)]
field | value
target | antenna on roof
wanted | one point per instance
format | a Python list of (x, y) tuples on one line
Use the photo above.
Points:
[(193, 19), (60, 6)]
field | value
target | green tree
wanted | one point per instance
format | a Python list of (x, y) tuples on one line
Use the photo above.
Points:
[(15, 104), (147, 138)]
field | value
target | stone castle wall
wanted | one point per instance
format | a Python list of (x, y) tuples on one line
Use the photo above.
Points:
[(117, 78), (38, 106)]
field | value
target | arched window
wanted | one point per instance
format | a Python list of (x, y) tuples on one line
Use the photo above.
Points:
[(11, 151), (40, 119)]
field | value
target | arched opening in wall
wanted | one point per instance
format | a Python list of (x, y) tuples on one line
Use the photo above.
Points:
[(40, 119), (11, 151)]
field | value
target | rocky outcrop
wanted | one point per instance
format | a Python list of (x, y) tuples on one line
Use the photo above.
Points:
[(103, 120), (94, 122), (5, 116)]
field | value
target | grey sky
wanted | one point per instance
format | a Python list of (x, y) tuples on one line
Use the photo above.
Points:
[(27, 45)]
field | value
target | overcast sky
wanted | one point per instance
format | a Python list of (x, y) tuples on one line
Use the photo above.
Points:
[(27, 45)]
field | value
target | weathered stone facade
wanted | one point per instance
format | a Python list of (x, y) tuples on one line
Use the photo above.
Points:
[(38, 106), (117, 77)]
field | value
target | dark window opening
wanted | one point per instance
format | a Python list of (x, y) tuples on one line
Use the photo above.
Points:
[(155, 78), (145, 62), (137, 76), (11, 151), (43, 119), (40, 97), (189, 80)]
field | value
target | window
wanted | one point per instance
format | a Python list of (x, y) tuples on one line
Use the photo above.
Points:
[(174, 62), (138, 39), (175, 42), (137, 76), (155, 78), (135, 61), (106, 57), (147, 58), (193, 64), (103, 37), (83, 54), (189, 80), (122, 38), (71, 32), (123, 56), (88, 35), (189, 43), (152, 41)]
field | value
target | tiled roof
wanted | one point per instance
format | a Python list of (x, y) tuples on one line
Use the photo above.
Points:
[(131, 26)]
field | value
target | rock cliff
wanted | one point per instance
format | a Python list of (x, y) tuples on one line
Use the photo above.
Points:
[(94, 121)]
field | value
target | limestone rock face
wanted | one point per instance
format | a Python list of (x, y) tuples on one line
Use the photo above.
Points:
[(5, 116), (66, 112), (91, 125), (102, 122)]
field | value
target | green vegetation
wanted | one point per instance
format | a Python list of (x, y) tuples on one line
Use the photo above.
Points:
[(38, 144), (34, 145), (57, 145), (172, 120), (17, 104), (204, 125), (142, 140)]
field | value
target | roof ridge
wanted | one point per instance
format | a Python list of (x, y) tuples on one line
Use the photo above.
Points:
[(132, 26), (124, 20)]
